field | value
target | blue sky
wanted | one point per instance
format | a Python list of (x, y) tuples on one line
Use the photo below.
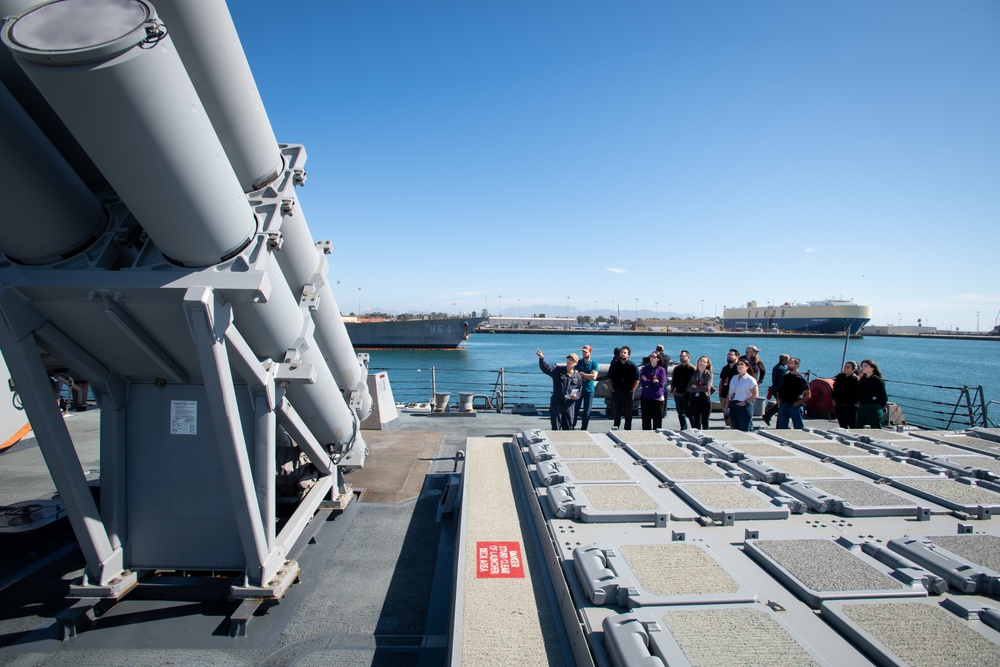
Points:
[(665, 152)]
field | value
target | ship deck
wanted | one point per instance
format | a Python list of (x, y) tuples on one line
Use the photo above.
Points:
[(395, 578)]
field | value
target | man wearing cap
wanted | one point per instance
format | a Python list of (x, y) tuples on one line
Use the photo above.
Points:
[(587, 368), (567, 385), (757, 368)]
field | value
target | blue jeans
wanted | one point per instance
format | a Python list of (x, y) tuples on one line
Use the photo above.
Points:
[(741, 416), (583, 410), (786, 410), (681, 404)]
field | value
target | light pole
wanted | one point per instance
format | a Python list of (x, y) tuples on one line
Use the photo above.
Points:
[(656, 309), (499, 306), (484, 306), (567, 308), (702, 309), (595, 311), (518, 308), (359, 302), (636, 309), (977, 321)]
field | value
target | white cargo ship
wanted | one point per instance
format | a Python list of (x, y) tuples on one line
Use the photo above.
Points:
[(828, 316)]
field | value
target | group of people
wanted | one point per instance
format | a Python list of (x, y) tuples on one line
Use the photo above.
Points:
[(858, 392), (690, 387), (859, 396)]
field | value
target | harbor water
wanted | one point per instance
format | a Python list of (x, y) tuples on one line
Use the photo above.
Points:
[(920, 373)]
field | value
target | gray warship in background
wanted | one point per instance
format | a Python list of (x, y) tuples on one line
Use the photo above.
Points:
[(157, 250), (424, 334)]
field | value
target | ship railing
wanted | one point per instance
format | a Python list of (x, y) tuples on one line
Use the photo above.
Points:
[(939, 406), (990, 422), (504, 388), (925, 405)]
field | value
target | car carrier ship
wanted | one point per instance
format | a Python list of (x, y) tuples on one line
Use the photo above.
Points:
[(829, 316)]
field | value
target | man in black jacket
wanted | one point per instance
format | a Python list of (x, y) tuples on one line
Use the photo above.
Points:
[(725, 375), (623, 378), (679, 380), (792, 396), (777, 377)]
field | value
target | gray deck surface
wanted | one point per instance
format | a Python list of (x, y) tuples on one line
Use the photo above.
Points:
[(377, 580), (375, 588)]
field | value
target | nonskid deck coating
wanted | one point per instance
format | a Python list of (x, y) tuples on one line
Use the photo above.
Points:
[(595, 471), (980, 549), (688, 470), (629, 437), (763, 449), (923, 635), (804, 469), (762, 643), (886, 467), (956, 492), (677, 569), (581, 452), (665, 450), (727, 496), (832, 448), (618, 497), (859, 493), (504, 620), (980, 462), (819, 637), (824, 566)]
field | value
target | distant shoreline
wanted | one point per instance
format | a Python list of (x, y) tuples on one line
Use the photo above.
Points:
[(730, 334)]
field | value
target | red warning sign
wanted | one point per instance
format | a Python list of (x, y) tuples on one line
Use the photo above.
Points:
[(499, 560)]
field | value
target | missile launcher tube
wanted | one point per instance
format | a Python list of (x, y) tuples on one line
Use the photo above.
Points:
[(38, 109), (206, 39), (39, 228), (274, 327), (112, 74), (300, 261)]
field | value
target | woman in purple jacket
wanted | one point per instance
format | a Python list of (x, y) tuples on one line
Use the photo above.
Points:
[(652, 380)]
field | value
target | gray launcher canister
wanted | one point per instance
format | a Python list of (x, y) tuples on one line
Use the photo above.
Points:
[(206, 39), (38, 109), (210, 48), (300, 261), (274, 327), (51, 213), (110, 70)]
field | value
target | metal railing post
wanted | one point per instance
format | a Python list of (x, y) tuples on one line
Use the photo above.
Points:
[(433, 385), (503, 389)]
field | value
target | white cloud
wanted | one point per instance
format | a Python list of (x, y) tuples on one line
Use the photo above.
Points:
[(613, 270), (810, 249)]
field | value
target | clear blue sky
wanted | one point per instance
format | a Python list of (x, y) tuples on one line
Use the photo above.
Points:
[(665, 152)]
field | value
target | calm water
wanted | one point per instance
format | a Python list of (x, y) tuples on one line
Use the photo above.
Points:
[(921, 361)]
